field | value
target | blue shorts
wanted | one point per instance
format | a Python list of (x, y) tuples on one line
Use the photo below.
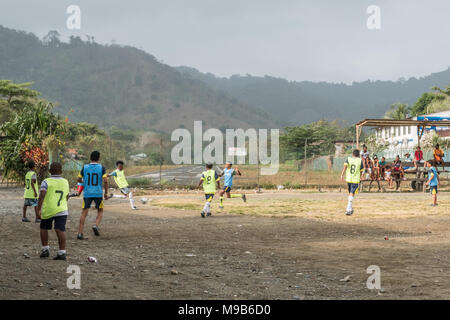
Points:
[(209, 196), (30, 202), (60, 223), (433, 189), (227, 188), (88, 201), (352, 187)]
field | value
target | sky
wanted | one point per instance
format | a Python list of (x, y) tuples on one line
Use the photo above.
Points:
[(321, 40)]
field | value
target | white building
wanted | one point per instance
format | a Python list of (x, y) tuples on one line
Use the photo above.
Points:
[(405, 138)]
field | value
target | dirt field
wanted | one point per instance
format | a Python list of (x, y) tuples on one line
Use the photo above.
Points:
[(279, 245)]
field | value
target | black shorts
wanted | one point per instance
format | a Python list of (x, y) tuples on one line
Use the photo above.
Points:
[(88, 201), (209, 196), (60, 223)]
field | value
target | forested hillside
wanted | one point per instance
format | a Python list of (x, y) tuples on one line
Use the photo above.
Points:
[(114, 85)]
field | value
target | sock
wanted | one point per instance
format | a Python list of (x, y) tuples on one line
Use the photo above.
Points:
[(350, 203), (118, 196), (221, 201), (130, 195), (60, 252), (237, 195), (207, 207), (45, 248)]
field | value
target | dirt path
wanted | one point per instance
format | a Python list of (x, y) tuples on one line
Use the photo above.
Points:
[(166, 253)]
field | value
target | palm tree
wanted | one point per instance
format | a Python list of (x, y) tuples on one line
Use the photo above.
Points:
[(398, 111)]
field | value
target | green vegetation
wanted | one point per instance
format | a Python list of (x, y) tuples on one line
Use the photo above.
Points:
[(319, 137)]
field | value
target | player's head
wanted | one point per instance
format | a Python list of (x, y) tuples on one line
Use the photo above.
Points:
[(95, 156), (431, 163), (30, 165), (228, 164), (355, 153), (418, 147), (209, 166), (119, 164), (364, 147), (437, 145), (55, 168)]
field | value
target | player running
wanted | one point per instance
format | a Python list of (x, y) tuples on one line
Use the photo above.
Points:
[(52, 207), (92, 175), (228, 173), (433, 180), (122, 183), (353, 168), (210, 179), (30, 194)]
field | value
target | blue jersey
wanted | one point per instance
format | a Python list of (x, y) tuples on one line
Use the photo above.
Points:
[(92, 175), (228, 177), (434, 180)]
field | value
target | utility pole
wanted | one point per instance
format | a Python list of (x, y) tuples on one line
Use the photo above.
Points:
[(306, 169)]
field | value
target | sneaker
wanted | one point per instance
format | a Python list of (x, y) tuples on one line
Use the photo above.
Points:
[(25, 220), (433, 205), (220, 207), (96, 230), (80, 236), (244, 198), (134, 208), (37, 220), (45, 254), (60, 257), (208, 214), (202, 214), (349, 213)]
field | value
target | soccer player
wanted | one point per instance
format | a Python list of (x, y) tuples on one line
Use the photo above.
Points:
[(92, 176), (353, 168), (209, 180), (228, 173), (30, 195), (52, 207), (433, 180), (122, 183)]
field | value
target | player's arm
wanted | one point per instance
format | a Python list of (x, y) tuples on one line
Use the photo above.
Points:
[(33, 182), (217, 180), (201, 181), (237, 171), (42, 194), (105, 182), (431, 178), (343, 170)]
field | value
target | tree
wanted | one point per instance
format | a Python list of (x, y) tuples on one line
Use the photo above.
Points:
[(52, 39), (15, 97), (398, 111), (26, 133)]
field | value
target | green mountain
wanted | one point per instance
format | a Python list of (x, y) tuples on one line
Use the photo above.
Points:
[(118, 85), (303, 102)]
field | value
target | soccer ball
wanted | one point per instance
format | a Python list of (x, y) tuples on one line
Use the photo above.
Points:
[(144, 200)]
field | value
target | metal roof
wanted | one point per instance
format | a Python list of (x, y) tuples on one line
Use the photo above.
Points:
[(406, 122)]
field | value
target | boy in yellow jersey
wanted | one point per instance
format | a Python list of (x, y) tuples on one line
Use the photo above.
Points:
[(52, 207), (209, 180), (353, 168), (30, 194), (122, 183)]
